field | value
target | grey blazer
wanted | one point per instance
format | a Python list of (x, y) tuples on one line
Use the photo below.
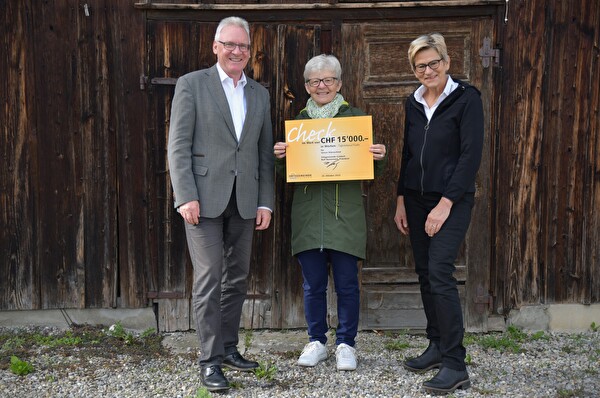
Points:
[(205, 157)]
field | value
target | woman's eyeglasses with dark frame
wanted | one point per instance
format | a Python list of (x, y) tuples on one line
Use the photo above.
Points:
[(433, 65), (328, 81)]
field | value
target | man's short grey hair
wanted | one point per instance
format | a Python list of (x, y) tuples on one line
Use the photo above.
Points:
[(232, 21), (323, 62)]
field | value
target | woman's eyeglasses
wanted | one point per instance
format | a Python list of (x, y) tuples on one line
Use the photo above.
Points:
[(230, 46), (328, 81), (433, 65)]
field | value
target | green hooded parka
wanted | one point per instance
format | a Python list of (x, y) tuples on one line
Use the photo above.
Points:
[(330, 215)]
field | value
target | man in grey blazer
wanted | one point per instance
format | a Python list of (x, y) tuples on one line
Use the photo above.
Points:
[(221, 168)]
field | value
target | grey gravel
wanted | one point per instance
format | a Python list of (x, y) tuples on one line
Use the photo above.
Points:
[(550, 365)]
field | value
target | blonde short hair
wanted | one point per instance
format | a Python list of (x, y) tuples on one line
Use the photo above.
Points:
[(433, 40)]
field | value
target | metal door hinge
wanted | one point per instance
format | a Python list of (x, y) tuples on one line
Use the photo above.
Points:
[(165, 295), (164, 81), (487, 53), (143, 82), (483, 297)]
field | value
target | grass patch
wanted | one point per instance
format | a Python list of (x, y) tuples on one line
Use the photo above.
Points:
[(248, 335), (88, 340), (468, 359), (566, 393), (399, 340), (19, 367), (265, 371), (235, 384), (289, 354), (509, 341), (202, 393), (396, 345)]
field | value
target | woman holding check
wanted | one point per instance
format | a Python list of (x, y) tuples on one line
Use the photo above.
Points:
[(329, 226)]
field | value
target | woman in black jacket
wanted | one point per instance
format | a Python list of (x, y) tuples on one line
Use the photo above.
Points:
[(443, 140)]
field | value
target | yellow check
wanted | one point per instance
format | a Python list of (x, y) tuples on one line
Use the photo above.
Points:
[(333, 149)]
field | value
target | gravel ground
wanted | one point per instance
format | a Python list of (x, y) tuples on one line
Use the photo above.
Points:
[(500, 365)]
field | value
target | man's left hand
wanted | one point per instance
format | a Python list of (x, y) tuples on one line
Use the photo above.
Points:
[(263, 219)]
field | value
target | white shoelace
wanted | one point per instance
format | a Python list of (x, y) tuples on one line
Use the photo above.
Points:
[(310, 347), (346, 352)]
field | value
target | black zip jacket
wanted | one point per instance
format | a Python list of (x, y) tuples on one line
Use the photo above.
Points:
[(443, 155)]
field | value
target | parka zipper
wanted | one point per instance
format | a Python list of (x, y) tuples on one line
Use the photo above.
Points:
[(322, 220), (337, 200), (445, 103), (421, 158)]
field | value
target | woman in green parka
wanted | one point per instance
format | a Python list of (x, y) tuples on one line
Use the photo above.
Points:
[(329, 226)]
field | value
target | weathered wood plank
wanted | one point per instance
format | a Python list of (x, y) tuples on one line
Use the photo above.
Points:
[(270, 5), (399, 275), (519, 204), (19, 282), (169, 259), (393, 308), (478, 238), (137, 269), (64, 164), (257, 309), (174, 315), (295, 45), (547, 167)]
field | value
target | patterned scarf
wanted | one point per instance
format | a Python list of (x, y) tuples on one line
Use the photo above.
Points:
[(328, 110)]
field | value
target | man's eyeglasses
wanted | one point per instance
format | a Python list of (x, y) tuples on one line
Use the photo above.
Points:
[(328, 81), (230, 46), (433, 65)]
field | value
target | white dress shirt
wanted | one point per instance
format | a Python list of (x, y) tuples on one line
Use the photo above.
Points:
[(451, 85), (237, 103), (235, 98)]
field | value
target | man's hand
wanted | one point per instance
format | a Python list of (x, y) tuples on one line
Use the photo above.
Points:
[(190, 212), (263, 219)]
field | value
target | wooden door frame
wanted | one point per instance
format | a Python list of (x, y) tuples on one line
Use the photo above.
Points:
[(334, 15), (381, 283)]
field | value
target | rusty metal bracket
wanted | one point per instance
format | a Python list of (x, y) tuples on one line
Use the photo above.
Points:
[(157, 81), (165, 295), (483, 297), (143, 82), (487, 53)]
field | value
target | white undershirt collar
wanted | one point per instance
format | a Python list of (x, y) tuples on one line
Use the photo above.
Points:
[(451, 85)]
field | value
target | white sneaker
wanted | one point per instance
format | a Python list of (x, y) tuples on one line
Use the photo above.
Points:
[(313, 353), (346, 357)]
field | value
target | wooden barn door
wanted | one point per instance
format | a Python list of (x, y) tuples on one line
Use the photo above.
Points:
[(278, 55), (378, 78)]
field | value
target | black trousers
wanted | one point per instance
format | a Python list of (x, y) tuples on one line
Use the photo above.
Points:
[(434, 264)]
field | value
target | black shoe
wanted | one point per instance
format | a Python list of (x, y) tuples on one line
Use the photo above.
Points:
[(431, 358), (236, 361), (447, 380), (213, 379)]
